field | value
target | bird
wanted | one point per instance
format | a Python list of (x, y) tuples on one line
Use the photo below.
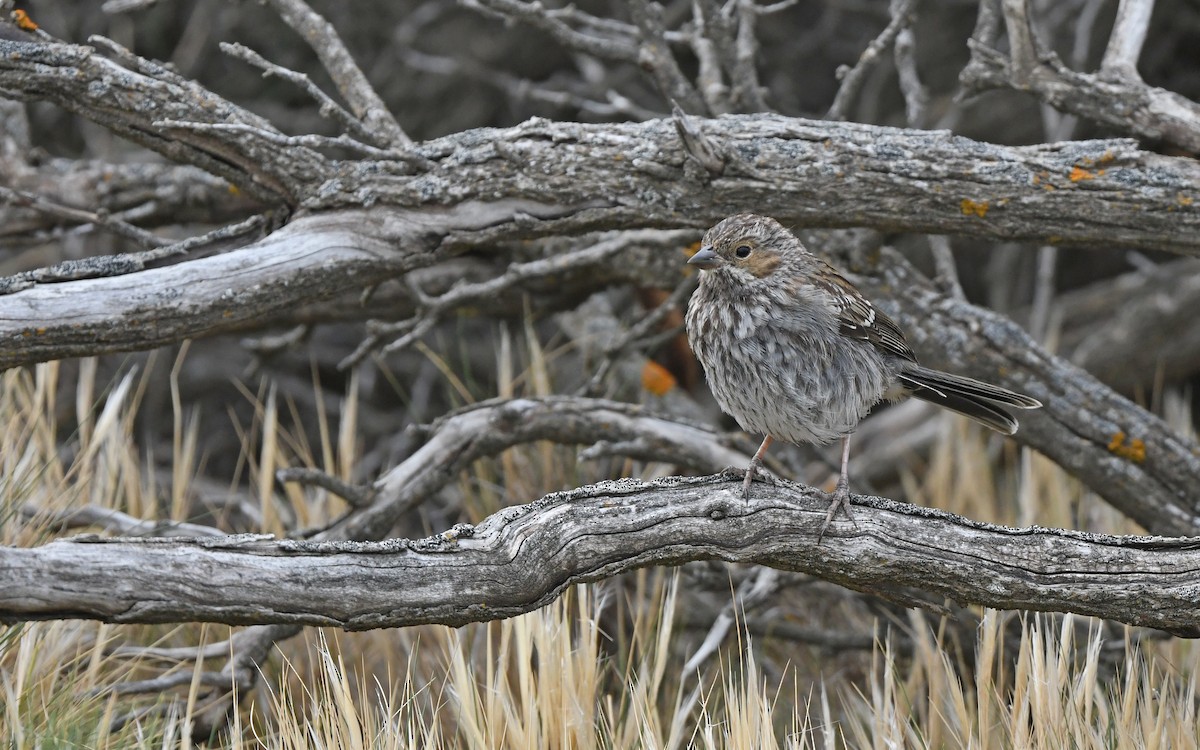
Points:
[(794, 352)]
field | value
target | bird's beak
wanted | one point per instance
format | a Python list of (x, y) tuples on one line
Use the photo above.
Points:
[(705, 259)]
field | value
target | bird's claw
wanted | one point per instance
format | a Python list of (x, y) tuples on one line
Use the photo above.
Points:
[(840, 500)]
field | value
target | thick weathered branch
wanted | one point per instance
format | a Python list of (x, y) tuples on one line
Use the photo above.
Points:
[(130, 101), (1130, 457), (632, 174), (1115, 97), (523, 557), (1149, 335), (569, 178), (148, 194), (490, 427)]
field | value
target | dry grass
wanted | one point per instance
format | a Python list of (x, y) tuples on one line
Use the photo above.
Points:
[(600, 668)]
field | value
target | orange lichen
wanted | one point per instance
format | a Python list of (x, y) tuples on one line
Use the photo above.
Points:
[(1131, 448), (1079, 173), (978, 208), (23, 21), (656, 378), (1185, 200)]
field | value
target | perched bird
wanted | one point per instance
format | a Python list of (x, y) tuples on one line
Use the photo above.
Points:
[(794, 352)]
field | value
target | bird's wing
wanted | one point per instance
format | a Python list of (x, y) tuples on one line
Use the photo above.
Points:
[(858, 318)]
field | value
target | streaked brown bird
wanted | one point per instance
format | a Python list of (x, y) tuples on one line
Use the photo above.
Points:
[(794, 352)]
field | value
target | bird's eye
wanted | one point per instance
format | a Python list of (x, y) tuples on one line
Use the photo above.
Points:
[(742, 251)]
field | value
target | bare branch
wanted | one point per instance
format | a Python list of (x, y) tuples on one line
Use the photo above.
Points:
[(1021, 41), (22, 199), (637, 333), (108, 266), (487, 428), (521, 89), (148, 194), (656, 58), (703, 150), (604, 40), (354, 495), (115, 521), (129, 101), (1130, 457), (744, 74), (1128, 37), (1112, 97), (943, 262), (711, 45), (523, 557), (916, 97), (854, 78), (434, 309), (353, 85), (326, 105)]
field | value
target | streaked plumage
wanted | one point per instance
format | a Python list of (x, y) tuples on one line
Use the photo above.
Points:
[(794, 352)]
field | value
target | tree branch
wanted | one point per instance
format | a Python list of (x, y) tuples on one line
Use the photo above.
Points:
[(1116, 97), (1128, 456), (353, 85), (1128, 37), (522, 558)]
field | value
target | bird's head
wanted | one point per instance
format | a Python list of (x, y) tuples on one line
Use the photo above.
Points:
[(746, 247)]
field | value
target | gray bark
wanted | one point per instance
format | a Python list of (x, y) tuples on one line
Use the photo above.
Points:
[(523, 557)]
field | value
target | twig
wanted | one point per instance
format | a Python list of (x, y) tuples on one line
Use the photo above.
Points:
[(116, 521), (704, 150), (708, 54), (854, 78), (744, 74), (113, 7), (180, 654), (1128, 36), (656, 58), (162, 684), (1023, 52), (434, 309), (347, 76), (407, 156), (327, 106), (356, 496), (916, 97), (102, 220), (1043, 292), (103, 266), (752, 593), (943, 263), (613, 45), (522, 89)]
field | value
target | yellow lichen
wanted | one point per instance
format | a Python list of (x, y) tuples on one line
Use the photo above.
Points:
[(1122, 445), (978, 208)]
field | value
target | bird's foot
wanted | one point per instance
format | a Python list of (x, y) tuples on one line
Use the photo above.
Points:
[(840, 500), (732, 472), (754, 471), (750, 471)]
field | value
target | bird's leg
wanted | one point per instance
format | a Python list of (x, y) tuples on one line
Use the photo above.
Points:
[(841, 493), (753, 467)]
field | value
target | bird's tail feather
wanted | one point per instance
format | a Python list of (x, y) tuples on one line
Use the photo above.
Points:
[(971, 398)]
